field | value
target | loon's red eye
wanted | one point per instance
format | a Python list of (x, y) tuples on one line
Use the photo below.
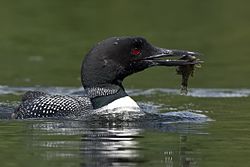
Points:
[(135, 52)]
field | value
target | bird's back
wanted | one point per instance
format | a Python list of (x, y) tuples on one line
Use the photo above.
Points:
[(37, 104)]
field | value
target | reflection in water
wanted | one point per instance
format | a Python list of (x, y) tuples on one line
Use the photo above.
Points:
[(186, 159), (184, 156), (114, 145), (111, 147)]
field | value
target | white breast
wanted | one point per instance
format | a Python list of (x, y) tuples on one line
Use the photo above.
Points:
[(122, 104)]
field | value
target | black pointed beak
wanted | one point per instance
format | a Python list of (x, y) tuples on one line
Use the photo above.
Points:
[(168, 57)]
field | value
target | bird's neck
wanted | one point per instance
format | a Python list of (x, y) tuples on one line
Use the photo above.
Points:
[(102, 95)]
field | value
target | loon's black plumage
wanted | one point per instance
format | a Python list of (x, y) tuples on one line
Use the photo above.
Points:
[(103, 70), (38, 104)]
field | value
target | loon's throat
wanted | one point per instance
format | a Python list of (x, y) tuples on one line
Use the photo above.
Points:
[(104, 94)]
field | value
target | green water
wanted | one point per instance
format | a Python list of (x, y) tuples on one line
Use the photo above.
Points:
[(222, 142), (43, 43)]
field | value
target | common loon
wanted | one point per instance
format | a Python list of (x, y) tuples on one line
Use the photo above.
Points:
[(103, 70)]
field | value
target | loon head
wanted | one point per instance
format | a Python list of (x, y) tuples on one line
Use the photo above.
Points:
[(113, 59)]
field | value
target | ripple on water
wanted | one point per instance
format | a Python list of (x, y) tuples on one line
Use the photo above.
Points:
[(196, 92), (150, 110), (217, 93)]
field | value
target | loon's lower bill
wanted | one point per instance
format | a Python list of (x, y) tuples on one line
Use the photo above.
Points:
[(103, 70)]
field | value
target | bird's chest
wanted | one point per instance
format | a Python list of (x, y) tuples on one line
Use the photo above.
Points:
[(122, 104)]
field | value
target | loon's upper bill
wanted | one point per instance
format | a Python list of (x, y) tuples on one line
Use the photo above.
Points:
[(103, 70)]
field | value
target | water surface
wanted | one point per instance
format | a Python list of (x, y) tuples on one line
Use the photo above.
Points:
[(184, 142)]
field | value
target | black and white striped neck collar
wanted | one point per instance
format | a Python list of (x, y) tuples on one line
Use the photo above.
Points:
[(102, 95)]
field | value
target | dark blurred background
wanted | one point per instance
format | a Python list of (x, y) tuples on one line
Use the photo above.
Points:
[(42, 42)]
